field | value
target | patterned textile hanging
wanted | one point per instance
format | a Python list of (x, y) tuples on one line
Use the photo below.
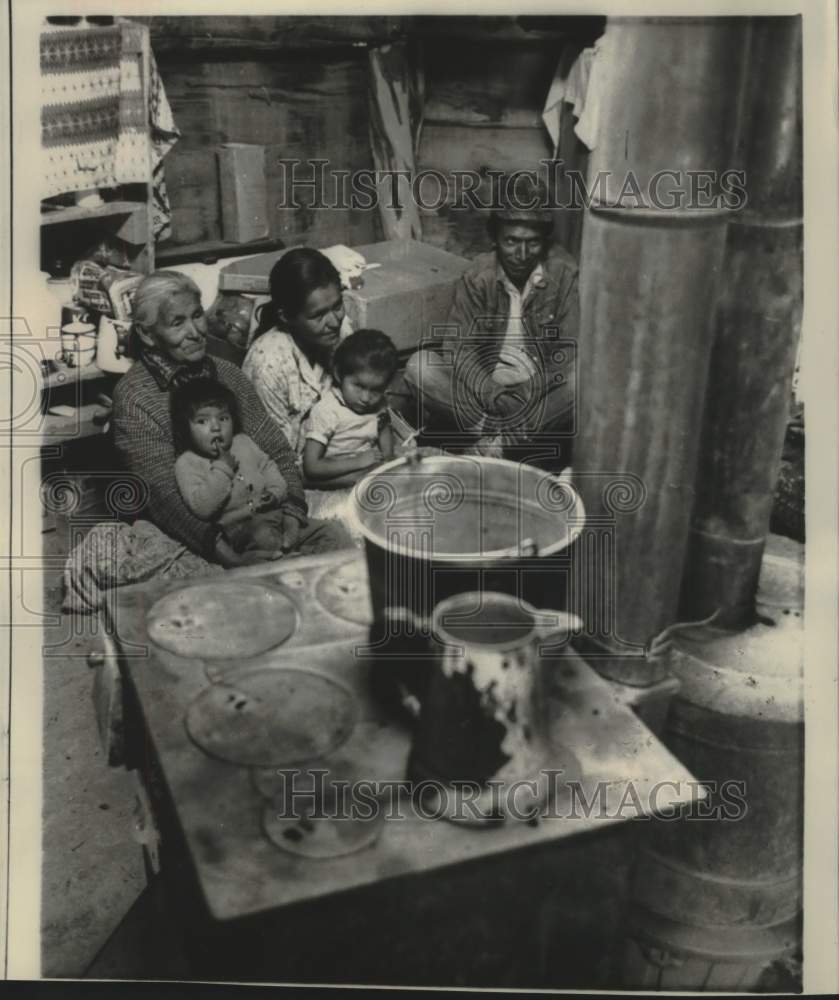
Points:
[(395, 105), (96, 131)]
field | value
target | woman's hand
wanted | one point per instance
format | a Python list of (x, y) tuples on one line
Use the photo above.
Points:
[(291, 532), (230, 559), (257, 556), (267, 501)]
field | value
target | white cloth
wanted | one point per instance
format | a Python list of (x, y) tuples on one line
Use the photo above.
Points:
[(582, 89), (206, 276), (343, 431), (348, 263), (515, 364)]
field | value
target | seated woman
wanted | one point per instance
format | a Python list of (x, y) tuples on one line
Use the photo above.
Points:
[(170, 348), (290, 360)]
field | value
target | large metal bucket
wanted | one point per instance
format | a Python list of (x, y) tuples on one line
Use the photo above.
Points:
[(438, 525), (716, 900)]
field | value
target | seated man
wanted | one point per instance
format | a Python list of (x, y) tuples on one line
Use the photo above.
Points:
[(504, 378)]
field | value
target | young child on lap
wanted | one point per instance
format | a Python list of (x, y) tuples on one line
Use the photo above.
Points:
[(222, 474), (348, 431)]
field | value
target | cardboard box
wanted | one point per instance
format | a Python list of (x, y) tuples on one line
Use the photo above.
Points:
[(244, 216), (409, 294), (406, 296)]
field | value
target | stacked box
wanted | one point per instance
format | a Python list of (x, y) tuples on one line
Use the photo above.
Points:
[(244, 217), (409, 295)]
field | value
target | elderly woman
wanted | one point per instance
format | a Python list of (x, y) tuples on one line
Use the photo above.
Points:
[(170, 348)]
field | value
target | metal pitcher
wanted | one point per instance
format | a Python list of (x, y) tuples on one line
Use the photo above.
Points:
[(482, 716)]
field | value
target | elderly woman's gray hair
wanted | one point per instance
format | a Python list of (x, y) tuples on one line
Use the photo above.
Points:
[(154, 290)]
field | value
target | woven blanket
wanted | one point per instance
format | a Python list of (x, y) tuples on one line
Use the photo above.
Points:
[(95, 130)]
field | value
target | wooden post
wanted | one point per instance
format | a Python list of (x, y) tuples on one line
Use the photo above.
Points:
[(648, 283), (757, 331)]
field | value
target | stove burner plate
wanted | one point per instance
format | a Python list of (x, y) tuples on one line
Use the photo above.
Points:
[(222, 620), (324, 836), (272, 717), (345, 593)]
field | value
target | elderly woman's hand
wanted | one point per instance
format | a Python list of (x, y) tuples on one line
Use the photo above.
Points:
[(291, 532), (230, 559)]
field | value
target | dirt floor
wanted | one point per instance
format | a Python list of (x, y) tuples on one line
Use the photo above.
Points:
[(92, 869)]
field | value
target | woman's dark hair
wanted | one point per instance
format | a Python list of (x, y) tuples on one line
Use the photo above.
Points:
[(185, 401), (365, 350), (293, 278)]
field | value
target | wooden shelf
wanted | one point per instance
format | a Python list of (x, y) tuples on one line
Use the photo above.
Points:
[(213, 250), (78, 213), (127, 220), (61, 430), (71, 376)]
